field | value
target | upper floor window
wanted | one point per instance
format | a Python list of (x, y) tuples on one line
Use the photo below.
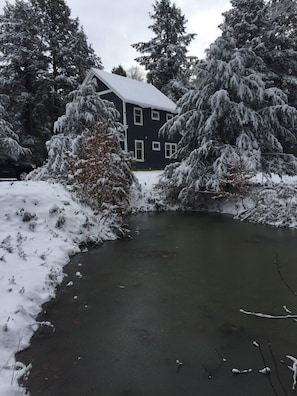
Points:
[(155, 115), (169, 116), (138, 116)]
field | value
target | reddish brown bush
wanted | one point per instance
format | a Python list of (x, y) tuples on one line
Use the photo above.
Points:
[(101, 173)]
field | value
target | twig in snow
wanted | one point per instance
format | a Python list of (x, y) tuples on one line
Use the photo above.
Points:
[(288, 311), (221, 356), (276, 368), (267, 316), (294, 369), (265, 370), (14, 366), (179, 365), (208, 373), (282, 278), (257, 345), (5, 327), (235, 371)]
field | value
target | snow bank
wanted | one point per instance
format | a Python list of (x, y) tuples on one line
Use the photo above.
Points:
[(272, 202), (41, 225), (149, 198)]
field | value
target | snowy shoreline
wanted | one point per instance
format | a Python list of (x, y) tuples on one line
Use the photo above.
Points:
[(42, 226)]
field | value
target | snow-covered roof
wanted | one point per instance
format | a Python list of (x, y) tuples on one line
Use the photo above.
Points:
[(135, 92)]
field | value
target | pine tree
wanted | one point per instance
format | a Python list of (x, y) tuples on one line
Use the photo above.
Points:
[(9, 140), (248, 20), (22, 67), (83, 112), (70, 55), (119, 70), (270, 29), (165, 55), (233, 124), (281, 46), (44, 55)]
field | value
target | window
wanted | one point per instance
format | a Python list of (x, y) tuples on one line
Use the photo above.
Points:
[(139, 150), (156, 146), (170, 149), (169, 116), (138, 116), (155, 115)]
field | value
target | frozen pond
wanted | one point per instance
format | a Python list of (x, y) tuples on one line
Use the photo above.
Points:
[(172, 292)]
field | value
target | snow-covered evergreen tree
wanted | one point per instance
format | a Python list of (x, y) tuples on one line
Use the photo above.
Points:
[(70, 56), (270, 29), (44, 55), (281, 46), (9, 140), (165, 55), (22, 67), (233, 124), (248, 19), (85, 110)]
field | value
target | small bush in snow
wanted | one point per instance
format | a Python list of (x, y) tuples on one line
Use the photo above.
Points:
[(101, 173)]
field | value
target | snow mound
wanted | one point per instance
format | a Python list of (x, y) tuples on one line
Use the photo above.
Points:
[(41, 226)]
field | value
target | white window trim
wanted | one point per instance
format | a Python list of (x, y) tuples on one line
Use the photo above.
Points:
[(156, 146), (140, 114), (142, 150), (172, 149), (155, 115), (169, 116)]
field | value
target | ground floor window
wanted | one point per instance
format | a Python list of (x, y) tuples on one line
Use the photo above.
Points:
[(139, 150), (170, 149)]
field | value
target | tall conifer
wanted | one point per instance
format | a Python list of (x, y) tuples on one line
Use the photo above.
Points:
[(165, 55)]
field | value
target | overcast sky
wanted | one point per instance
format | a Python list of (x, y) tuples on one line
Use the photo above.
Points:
[(113, 25)]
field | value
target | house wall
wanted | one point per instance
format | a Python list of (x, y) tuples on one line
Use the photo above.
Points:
[(144, 135), (147, 133)]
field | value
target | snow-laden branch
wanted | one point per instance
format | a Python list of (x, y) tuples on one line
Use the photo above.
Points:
[(267, 316)]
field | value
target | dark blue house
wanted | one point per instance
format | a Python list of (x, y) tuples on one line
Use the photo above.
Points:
[(144, 110)]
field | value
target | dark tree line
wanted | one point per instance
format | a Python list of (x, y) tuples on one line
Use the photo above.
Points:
[(44, 55)]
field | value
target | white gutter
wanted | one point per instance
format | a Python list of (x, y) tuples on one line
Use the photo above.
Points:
[(125, 126)]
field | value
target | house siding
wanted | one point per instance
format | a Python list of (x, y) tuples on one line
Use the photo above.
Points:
[(147, 133)]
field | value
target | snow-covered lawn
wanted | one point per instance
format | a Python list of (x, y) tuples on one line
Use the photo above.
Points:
[(41, 226)]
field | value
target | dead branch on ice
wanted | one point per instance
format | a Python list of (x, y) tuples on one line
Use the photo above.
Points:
[(267, 316)]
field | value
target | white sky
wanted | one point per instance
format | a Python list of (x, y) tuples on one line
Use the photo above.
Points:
[(113, 25)]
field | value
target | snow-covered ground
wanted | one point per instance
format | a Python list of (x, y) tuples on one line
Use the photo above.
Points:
[(41, 226)]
